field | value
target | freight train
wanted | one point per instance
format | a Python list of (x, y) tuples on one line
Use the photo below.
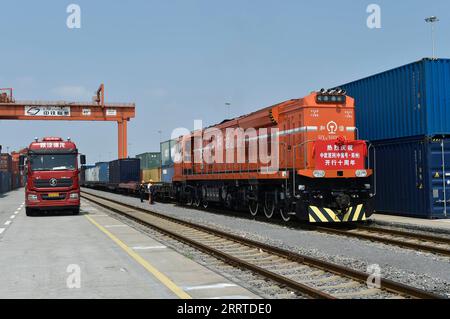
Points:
[(300, 158)]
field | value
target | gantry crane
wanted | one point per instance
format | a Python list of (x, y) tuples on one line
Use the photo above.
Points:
[(97, 110)]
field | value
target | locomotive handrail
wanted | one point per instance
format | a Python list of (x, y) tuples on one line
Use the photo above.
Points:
[(285, 156), (374, 165), (293, 162)]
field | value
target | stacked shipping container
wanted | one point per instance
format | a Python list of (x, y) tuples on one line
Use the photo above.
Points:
[(11, 176), (405, 113)]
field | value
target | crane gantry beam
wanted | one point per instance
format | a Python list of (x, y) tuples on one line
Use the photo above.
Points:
[(97, 110)]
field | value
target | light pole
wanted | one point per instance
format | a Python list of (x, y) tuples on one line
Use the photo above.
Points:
[(432, 20), (129, 147), (160, 136), (160, 155), (229, 109)]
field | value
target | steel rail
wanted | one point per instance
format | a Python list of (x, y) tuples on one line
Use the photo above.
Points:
[(390, 231), (392, 241), (309, 291), (385, 284)]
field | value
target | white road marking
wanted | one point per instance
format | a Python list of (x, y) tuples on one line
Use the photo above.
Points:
[(16, 212), (2, 230), (7, 222), (113, 226), (12, 216), (148, 247), (215, 286)]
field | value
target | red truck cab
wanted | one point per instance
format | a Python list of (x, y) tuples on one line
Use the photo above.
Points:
[(52, 176)]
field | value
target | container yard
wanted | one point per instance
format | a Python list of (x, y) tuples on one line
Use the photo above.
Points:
[(233, 154)]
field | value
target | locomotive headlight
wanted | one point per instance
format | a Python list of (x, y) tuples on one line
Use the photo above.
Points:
[(319, 174), (301, 187), (361, 173), (367, 186)]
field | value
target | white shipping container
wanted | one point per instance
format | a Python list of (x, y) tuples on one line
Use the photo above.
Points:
[(90, 175)]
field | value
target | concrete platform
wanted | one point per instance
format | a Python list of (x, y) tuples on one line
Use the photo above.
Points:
[(434, 225), (95, 256)]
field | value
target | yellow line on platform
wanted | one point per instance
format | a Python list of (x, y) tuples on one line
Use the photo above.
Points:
[(144, 263)]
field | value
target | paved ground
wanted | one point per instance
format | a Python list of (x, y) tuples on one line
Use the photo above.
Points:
[(438, 225), (94, 256)]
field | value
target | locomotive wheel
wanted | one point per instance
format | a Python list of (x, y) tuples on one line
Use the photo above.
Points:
[(229, 201), (197, 202), (253, 207), (205, 204), (269, 208), (190, 200), (284, 215)]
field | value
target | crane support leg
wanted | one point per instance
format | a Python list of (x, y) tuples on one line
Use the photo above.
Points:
[(122, 139)]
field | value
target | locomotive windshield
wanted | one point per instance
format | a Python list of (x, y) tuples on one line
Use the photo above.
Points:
[(53, 162)]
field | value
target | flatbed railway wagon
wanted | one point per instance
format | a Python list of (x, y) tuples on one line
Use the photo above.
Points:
[(322, 173), (120, 176)]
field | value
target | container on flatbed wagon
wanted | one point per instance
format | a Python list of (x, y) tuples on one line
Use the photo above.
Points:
[(150, 160), (167, 152), (167, 174), (412, 177), (124, 171), (52, 176), (83, 170), (153, 174), (89, 175), (411, 100), (102, 172)]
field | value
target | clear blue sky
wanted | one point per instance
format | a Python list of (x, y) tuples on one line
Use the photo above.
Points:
[(181, 60)]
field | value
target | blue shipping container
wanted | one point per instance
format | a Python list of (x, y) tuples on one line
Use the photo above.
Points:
[(167, 174), (412, 100), (410, 177), (103, 171), (125, 171)]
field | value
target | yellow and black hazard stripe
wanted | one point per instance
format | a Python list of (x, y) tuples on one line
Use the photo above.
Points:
[(327, 215)]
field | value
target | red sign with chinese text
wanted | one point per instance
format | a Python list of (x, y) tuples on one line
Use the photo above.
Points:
[(340, 155)]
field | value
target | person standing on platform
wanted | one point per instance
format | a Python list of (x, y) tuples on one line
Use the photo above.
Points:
[(142, 189), (150, 188)]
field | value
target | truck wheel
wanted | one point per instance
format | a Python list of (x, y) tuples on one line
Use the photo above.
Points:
[(29, 211)]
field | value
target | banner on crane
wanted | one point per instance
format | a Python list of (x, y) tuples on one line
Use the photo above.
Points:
[(47, 110)]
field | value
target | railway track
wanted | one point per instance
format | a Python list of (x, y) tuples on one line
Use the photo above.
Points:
[(418, 242), (405, 239), (306, 276)]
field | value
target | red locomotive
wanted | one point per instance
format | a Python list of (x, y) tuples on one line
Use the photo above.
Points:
[(298, 158)]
